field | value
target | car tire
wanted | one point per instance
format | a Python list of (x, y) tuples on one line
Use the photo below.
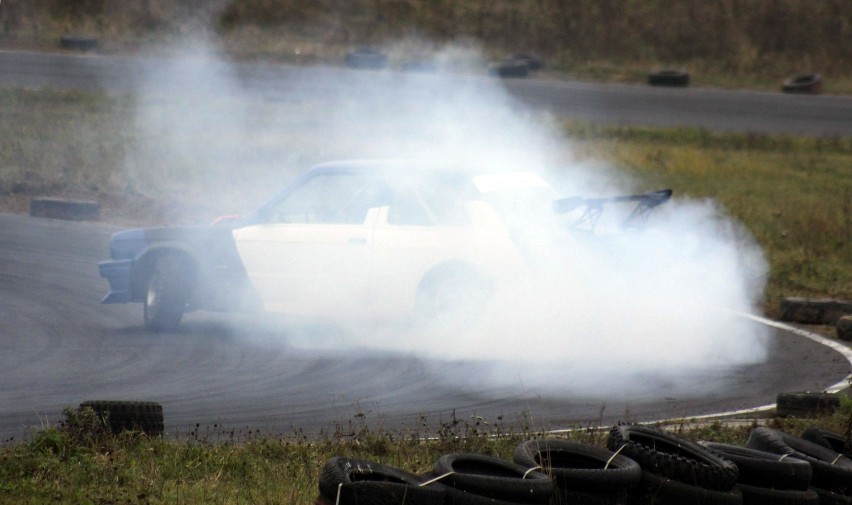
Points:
[(831, 471), (670, 78), (492, 479), (756, 495), (577, 467), (355, 481), (765, 469), (453, 297), (119, 416), (827, 439), (803, 83), (806, 404), (509, 69), (166, 293), (659, 490), (672, 457)]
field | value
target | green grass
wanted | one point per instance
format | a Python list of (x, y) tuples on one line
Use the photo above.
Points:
[(77, 462)]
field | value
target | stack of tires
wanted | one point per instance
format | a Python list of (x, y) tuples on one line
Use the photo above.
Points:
[(831, 470), (675, 471), (641, 465), (461, 479)]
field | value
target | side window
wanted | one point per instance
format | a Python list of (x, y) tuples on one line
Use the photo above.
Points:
[(429, 203), (330, 199)]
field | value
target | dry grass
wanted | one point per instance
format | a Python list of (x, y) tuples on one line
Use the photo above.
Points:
[(729, 43)]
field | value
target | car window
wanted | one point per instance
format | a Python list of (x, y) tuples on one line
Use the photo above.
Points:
[(429, 203), (331, 199)]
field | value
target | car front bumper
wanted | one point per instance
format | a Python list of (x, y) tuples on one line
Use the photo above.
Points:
[(117, 272)]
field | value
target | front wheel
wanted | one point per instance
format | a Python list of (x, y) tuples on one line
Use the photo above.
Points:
[(166, 294)]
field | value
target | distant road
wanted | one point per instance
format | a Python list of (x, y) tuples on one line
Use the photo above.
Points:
[(617, 104)]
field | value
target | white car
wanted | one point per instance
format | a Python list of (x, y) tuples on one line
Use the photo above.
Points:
[(378, 240)]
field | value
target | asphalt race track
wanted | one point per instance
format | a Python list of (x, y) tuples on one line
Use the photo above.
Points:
[(712, 109), (59, 346)]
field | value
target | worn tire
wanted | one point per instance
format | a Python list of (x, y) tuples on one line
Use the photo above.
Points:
[(827, 439), (166, 293), (765, 469), (830, 498), (366, 58), (671, 78), (804, 84), (69, 210), (452, 296), (493, 478), (146, 417), (755, 495), (509, 69), (574, 466), (831, 471), (664, 454), (658, 490), (364, 482), (78, 42), (806, 404)]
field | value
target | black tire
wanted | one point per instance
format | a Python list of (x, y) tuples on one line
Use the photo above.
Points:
[(754, 495), (493, 478), (579, 467), (563, 497), (453, 296), (658, 490), (672, 78), (806, 404), (532, 61), (765, 469), (166, 293), (803, 83), (667, 455), (827, 439), (69, 210), (146, 417), (831, 471), (368, 483), (509, 69), (830, 498), (78, 42), (366, 58)]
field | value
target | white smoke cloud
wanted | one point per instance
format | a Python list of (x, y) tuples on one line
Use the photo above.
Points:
[(659, 304)]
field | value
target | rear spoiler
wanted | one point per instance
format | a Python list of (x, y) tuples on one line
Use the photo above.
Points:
[(594, 207)]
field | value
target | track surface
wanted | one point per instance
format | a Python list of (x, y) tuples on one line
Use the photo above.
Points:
[(59, 347), (604, 103)]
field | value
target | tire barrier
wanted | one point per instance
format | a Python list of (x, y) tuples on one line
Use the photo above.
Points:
[(832, 471), (532, 61), (659, 490), (671, 78), (69, 210), (366, 58), (813, 310), (472, 479), (806, 404), (844, 328), (834, 441), (765, 469), (78, 42), (803, 83), (753, 495), (354, 481), (673, 458), (146, 417), (509, 69), (581, 473)]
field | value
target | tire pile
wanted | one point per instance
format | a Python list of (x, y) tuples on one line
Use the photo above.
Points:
[(641, 465)]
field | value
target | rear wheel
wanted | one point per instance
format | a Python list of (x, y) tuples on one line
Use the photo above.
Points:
[(166, 294), (457, 298)]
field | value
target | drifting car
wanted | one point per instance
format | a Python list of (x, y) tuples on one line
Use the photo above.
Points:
[(378, 240)]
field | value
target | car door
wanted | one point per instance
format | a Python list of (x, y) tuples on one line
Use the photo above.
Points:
[(310, 254)]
